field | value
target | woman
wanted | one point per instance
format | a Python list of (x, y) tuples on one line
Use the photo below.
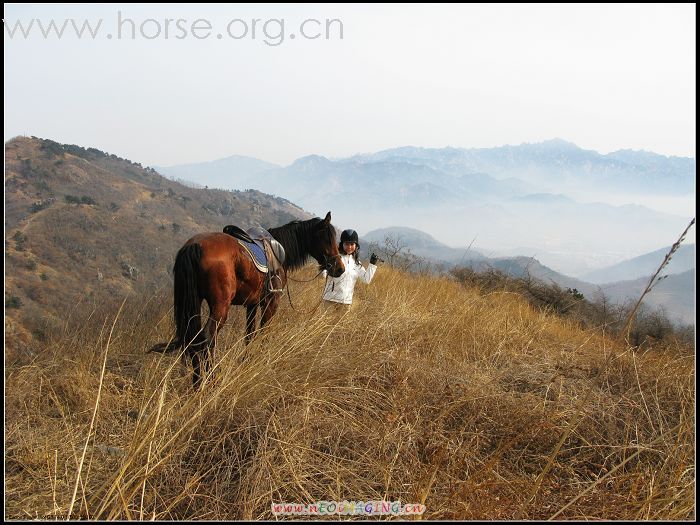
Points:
[(340, 289)]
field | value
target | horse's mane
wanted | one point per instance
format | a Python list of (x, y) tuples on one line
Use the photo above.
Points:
[(296, 237)]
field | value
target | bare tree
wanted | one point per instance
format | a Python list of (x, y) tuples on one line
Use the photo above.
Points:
[(394, 245)]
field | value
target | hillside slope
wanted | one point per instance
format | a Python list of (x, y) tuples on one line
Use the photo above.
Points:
[(83, 227), (475, 405)]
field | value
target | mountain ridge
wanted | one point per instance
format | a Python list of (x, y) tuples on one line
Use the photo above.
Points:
[(487, 192), (645, 265)]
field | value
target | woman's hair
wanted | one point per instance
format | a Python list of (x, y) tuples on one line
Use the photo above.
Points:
[(355, 254)]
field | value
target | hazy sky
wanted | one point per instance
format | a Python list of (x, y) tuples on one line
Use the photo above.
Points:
[(605, 77)]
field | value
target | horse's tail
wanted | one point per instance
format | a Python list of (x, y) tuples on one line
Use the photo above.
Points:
[(187, 300)]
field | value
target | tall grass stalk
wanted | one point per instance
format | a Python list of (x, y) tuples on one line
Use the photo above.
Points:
[(653, 281)]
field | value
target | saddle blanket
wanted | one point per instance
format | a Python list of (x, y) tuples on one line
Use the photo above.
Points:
[(265, 251), (256, 252)]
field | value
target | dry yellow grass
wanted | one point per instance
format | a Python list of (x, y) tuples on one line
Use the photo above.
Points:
[(476, 405)]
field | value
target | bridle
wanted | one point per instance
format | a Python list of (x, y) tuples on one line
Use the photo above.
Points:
[(327, 266), (324, 267)]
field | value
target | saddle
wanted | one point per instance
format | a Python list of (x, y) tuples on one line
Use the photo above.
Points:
[(266, 253)]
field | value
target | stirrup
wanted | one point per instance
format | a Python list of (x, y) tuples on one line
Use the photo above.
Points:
[(270, 288)]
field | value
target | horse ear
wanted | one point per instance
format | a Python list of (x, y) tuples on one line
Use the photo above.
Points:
[(328, 217)]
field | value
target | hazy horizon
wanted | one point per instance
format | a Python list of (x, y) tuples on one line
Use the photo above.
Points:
[(603, 77), (334, 158)]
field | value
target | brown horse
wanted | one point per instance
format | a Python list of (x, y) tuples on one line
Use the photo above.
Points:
[(214, 267)]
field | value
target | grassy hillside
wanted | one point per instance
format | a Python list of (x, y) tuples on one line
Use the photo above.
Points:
[(85, 227), (426, 391)]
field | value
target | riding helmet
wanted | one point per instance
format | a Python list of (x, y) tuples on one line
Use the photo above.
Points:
[(349, 236)]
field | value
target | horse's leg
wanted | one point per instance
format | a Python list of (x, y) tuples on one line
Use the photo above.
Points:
[(251, 311), (196, 347), (269, 307), (220, 285), (218, 313)]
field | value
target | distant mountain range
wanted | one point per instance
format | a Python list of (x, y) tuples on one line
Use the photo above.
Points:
[(552, 166), (227, 173), (557, 166), (645, 266), (675, 294), (552, 195)]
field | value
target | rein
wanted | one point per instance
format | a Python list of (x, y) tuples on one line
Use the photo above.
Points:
[(326, 259), (308, 281), (300, 281), (304, 280)]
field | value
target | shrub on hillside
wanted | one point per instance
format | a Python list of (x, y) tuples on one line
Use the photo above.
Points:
[(87, 200), (51, 148), (20, 241), (72, 199), (650, 326), (12, 301), (41, 204)]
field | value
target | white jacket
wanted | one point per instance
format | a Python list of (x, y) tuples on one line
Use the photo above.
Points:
[(340, 289)]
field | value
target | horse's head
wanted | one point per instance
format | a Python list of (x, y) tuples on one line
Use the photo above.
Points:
[(325, 248)]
